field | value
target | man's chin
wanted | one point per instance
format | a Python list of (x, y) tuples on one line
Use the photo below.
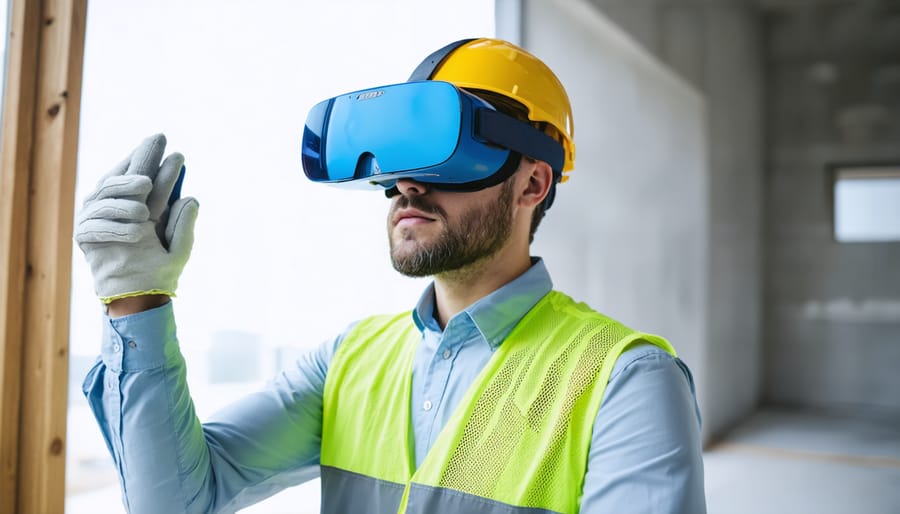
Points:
[(412, 258), (409, 265)]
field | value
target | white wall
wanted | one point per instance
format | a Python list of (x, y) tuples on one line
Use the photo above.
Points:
[(629, 232)]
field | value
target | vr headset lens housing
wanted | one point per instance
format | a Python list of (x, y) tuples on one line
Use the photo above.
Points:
[(429, 131)]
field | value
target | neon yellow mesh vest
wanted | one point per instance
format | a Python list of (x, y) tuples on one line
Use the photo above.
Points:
[(517, 443)]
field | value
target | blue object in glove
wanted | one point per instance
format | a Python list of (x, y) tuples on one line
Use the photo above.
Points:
[(176, 190)]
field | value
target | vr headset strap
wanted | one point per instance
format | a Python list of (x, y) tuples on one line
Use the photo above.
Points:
[(510, 133), (426, 68)]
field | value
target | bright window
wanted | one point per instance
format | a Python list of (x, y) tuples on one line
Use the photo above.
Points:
[(279, 264), (867, 203)]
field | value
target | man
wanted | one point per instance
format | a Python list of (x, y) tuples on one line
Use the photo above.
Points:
[(495, 394)]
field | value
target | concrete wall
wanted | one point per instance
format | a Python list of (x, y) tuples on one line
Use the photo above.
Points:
[(831, 315), (628, 233), (716, 46), (833, 309)]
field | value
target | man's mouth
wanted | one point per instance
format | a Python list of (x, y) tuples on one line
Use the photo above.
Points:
[(407, 217)]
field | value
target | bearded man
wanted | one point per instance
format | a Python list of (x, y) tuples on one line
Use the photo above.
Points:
[(494, 394)]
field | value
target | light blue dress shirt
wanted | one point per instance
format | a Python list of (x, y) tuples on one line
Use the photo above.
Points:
[(645, 453)]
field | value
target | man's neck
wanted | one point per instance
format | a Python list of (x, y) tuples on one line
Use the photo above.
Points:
[(458, 289)]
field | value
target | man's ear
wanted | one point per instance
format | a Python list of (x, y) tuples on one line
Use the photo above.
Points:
[(540, 178)]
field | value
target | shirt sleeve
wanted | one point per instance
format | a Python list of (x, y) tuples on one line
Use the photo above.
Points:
[(167, 460), (646, 451)]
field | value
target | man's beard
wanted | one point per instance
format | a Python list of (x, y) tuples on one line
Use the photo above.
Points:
[(479, 234)]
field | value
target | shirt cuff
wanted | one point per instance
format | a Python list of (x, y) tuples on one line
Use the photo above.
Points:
[(140, 341)]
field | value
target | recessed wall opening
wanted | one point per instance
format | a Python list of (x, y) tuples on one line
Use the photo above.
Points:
[(866, 203)]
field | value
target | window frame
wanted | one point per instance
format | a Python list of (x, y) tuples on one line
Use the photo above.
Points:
[(41, 107)]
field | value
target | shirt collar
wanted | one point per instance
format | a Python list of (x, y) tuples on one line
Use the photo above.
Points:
[(496, 314)]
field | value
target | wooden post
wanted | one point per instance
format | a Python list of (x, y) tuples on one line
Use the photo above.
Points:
[(15, 173), (37, 183)]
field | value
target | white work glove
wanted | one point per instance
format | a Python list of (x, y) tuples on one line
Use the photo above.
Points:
[(134, 241)]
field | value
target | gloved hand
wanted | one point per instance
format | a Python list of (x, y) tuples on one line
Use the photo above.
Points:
[(134, 241)]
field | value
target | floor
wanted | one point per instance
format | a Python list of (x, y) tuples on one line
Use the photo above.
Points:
[(798, 462)]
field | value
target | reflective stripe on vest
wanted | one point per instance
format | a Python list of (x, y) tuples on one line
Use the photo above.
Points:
[(348, 492), (517, 443)]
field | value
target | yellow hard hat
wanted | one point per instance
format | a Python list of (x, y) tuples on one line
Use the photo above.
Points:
[(503, 68)]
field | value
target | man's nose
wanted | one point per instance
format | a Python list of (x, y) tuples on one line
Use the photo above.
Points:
[(408, 187)]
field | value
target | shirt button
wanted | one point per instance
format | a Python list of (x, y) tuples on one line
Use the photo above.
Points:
[(447, 354), (426, 405), (117, 347)]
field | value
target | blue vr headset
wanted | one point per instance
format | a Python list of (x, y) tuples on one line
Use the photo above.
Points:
[(429, 131)]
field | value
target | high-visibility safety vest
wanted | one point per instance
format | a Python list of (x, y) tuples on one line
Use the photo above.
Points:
[(517, 443)]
